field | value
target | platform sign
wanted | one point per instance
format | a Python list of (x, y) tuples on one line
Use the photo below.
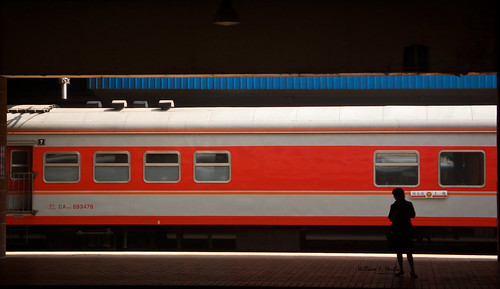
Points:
[(429, 194)]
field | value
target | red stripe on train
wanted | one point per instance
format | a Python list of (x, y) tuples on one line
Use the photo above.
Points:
[(244, 220), (305, 130)]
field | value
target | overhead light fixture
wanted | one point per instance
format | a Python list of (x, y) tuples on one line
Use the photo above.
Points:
[(226, 15)]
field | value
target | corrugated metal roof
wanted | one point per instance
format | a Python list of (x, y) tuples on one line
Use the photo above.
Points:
[(300, 82)]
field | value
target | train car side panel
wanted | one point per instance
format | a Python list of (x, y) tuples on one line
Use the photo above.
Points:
[(326, 185)]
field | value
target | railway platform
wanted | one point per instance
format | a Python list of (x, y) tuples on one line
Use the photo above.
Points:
[(244, 270)]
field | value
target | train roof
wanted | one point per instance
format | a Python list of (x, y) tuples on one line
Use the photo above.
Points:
[(227, 119)]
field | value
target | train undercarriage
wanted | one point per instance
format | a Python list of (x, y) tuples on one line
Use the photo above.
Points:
[(365, 239)]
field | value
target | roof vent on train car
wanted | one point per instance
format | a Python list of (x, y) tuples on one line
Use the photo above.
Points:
[(140, 103), (166, 104), (118, 104), (40, 108), (94, 103)]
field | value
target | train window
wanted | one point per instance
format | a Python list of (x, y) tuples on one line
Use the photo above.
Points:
[(162, 167), (212, 167), (111, 167), (61, 167), (396, 168), (19, 164), (462, 168)]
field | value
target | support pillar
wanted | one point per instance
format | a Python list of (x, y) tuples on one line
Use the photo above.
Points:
[(3, 173), (498, 163)]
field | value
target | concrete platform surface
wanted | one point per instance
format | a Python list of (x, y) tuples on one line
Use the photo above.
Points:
[(257, 270)]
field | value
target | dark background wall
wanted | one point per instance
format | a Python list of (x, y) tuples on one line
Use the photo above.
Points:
[(177, 37)]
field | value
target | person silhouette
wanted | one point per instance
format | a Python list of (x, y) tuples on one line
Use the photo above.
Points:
[(400, 214)]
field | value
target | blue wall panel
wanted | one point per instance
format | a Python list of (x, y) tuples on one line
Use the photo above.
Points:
[(300, 82)]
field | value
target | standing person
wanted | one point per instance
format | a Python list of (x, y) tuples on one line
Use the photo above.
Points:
[(400, 215)]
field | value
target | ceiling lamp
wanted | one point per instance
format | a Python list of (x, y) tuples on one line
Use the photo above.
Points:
[(226, 15)]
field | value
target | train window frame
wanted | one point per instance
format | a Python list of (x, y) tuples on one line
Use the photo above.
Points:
[(13, 165), (462, 151), (128, 164), (375, 164), (78, 164), (228, 165), (146, 164)]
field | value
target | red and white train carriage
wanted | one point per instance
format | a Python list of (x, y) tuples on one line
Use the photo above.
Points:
[(303, 166)]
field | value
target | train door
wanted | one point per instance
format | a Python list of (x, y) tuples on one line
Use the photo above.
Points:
[(20, 180)]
